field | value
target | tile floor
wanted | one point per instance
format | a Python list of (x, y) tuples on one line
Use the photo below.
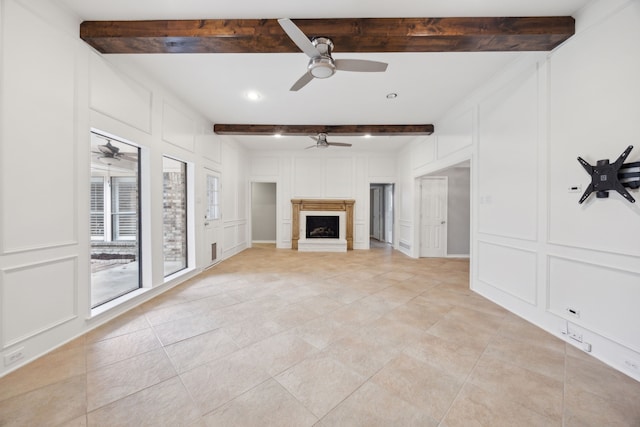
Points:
[(281, 338)]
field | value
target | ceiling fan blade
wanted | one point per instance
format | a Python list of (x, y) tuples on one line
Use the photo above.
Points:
[(312, 146), (339, 144), (302, 82), (361, 65), (298, 37)]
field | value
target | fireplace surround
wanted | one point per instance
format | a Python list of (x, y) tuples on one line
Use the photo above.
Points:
[(301, 208)]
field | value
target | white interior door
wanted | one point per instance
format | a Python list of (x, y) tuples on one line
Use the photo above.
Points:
[(388, 213), (212, 217), (433, 216)]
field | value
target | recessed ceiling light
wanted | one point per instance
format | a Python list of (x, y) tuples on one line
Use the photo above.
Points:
[(253, 95), (367, 135), (392, 95), (277, 135)]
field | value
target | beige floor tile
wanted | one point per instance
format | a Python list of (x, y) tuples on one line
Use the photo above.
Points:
[(519, 329), (192, 352), (292, 315), (268, 404), (529, 355), (279, 352), (346, 295), (297, 293), (164, 404), (118, 380), (398, 275), (537, 392), (81, 421), (372, 406), (377, 304), (173, 312), (414, 315), (425, 387), (252, 330), (322, 331), (364, 353), (178, 330), (50, 405), (320, 383), (122, 347), (474, 407), (320, 304), (456, 329), (585, 409), (131, 321), (456, 358), (355, 315), (217, 382), (591, 375), (56, 366), (397, 333)]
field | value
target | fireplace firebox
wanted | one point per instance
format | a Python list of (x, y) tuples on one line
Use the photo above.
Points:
[(322, 227)]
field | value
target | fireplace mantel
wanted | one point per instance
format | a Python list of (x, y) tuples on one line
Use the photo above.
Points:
[(328, 205)]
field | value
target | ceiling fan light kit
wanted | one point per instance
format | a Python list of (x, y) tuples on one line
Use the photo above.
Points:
[(321, 142), (321, 64)]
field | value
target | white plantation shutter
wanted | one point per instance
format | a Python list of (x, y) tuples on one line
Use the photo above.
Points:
[(125, 208), (97, 208)]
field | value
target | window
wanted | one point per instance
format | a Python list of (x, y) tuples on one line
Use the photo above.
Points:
[(213, 197), (174, 215), (114, 219)]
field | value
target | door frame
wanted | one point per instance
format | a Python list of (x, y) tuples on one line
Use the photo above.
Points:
[(376, 232), (279, 219), (383, 220)]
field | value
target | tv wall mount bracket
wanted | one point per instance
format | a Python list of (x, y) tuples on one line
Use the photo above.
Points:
[(607, 176)]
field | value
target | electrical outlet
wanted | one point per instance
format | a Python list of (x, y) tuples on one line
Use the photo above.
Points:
[(14, 356), (576, 336), (571, 332)]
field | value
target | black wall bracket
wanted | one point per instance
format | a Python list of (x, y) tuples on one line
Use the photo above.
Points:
[(607, 176)]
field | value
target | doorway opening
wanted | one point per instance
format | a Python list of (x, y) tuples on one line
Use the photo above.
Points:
[(381, 213), (263, 213), (445, 212)]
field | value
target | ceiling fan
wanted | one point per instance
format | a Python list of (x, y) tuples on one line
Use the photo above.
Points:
[(110, 151), (321, 142), (322, 65)]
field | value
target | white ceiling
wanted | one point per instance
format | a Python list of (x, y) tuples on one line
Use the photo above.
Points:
[(427, 84)]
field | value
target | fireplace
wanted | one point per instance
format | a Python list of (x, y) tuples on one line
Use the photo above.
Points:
[(322, 218), (323, 227)]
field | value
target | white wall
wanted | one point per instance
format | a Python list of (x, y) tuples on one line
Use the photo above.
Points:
[(535, 250), (322, 174), (55, 89)]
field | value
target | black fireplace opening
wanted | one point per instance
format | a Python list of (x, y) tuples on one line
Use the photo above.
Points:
[(323, 227)]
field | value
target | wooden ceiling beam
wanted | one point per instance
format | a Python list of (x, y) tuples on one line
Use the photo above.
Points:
[(493, 34), (306, 130)]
